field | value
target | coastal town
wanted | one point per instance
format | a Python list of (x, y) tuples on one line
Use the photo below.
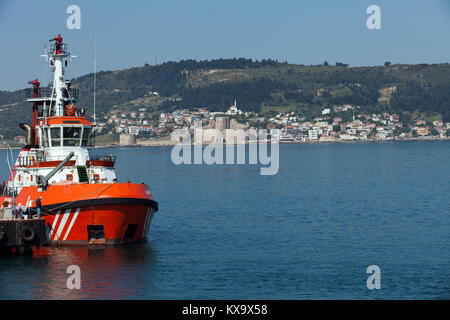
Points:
[(331, 126), (345, 123)]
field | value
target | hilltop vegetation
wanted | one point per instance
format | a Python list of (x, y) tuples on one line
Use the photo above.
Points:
[(260, 86)]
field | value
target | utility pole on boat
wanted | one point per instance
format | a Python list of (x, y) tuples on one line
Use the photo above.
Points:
[(10, 172), (95, 74)]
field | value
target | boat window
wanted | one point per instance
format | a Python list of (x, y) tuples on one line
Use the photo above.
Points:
[(86, 136), (55, 135), (71, 136)]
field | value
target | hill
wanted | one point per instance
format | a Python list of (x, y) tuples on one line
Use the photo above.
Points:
[(260, 86)]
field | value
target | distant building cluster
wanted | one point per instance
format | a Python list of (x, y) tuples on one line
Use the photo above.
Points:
[(135, 122), (291, 126), (363, 126), (139, 122)]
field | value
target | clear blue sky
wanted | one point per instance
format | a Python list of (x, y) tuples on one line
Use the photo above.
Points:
[(131, 33)]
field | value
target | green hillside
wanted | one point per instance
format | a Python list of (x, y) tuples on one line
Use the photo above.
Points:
[(262, 86)]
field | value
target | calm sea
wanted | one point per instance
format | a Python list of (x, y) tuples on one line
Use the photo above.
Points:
[(309, 232)]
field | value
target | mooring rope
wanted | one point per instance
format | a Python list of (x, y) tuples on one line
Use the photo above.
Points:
[(68, 203)]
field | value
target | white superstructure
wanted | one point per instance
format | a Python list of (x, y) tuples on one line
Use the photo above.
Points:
[(59, 128)]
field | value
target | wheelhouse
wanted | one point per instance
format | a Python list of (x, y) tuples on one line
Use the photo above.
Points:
[(65, 136), (65, 133)]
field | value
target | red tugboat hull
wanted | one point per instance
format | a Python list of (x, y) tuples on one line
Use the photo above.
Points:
[(93, 214)]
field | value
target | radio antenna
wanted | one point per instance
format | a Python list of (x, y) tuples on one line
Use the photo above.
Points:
[(95, 73), (44, 65)]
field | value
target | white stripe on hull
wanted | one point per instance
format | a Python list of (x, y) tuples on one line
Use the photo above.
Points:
[(145, 223), (62, 224), (71, 223), (55, 220), (149, 221)]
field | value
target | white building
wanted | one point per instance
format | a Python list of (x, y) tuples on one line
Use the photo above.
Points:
[(313, 134), (134, 130), (347, 136), (233, 110)]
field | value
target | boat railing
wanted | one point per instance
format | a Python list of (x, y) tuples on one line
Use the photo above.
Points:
[(41, 93), (46, 92), (27, 161), (44, 158), (63, 48), (6, 191), (103, 157), (74, 93)]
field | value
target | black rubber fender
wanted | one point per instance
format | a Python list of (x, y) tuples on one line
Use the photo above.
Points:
[(28, 234), (2, 235)]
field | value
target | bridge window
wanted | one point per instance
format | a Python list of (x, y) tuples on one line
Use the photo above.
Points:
[(71, 136), (55, 134), (86, 137)]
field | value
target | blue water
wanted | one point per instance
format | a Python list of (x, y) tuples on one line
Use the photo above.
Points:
[(309, 232)]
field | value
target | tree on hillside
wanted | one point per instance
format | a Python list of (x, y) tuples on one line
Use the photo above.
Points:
[(434, 132), (340, 64)]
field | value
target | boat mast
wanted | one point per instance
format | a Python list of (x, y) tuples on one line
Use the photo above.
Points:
[(56, 62)]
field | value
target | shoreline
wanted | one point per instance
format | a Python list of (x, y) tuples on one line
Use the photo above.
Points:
[(171, 144)]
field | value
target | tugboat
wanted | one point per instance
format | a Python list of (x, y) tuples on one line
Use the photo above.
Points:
[(79, 195)]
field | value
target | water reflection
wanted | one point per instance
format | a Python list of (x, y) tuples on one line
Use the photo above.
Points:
[(123, 272)]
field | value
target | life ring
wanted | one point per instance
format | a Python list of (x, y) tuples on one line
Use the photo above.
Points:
[(28, 234), (70, 109)]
